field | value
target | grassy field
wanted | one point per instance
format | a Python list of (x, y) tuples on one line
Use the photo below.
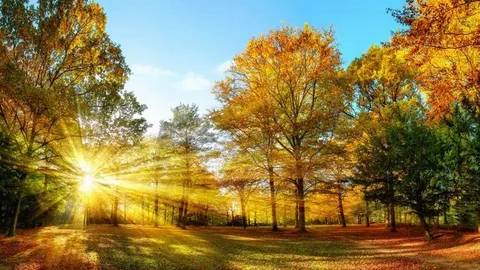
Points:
[(323, 247)]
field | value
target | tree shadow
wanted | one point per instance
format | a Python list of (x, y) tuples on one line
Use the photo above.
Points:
[(145, 247), (169, 248)]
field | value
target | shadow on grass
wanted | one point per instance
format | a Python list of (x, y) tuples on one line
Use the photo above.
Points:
[(170, 248), (144, 247)]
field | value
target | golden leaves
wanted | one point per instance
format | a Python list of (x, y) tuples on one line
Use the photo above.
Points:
[(444, 41)]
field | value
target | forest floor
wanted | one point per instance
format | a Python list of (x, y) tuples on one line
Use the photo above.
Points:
[(323, 247)]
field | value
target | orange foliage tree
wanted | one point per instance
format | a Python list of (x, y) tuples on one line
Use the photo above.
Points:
[(443, 38), (290, 77)]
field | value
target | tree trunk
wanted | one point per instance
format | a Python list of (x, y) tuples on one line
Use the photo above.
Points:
[(206, 215), (12, 231), (85, 216), (426, 227), (301, 205), (164, 214), (393, 224), (244, 215), (45, 182), (155, 207), (143, 210), (125, 210), (296, 211), (115, 211), (184, 215), (387, 216), (186, 190), (341, 214), (367, 214), (180, 213), (273, 200)]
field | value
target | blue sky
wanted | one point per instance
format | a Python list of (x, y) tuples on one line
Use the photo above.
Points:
[(177, 49)]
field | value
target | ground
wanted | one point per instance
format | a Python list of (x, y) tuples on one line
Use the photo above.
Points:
[(323, 247)]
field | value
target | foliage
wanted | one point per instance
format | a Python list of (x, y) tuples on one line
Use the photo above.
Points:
[(442, 39), (381, 77), (291, 75), (411, 154)]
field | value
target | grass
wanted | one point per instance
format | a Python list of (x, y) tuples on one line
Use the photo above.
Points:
[(323, 247)]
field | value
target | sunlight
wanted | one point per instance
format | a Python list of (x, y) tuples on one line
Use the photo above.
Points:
[(85, 167), (280, 148), (87, 184)]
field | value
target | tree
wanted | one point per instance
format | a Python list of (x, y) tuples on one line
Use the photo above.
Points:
[(375, 171), (11, 175), (419, 150), (250, 124), (190, 134), (411, 153), (462, 135), (441, 37), (112, 119), (336, 181), (51, 55), (443, 42), (295, 74), (380, 80), (242, 177)]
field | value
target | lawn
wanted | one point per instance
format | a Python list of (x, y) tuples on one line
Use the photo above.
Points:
[(323, 247)]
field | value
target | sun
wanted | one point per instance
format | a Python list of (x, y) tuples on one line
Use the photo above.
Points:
[(87, 180), (87, 184)]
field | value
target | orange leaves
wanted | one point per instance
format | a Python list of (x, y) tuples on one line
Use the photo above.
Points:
[(444, 42), (288, 77), (382, 77), (283, 98)]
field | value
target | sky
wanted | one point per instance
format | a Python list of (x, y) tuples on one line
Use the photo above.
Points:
[(178, 49)]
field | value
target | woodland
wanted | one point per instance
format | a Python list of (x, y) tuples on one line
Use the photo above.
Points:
[(306, 163)]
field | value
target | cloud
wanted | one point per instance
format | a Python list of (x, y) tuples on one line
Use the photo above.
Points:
[(195, 82), (224, 67), (162, 89), (151, 71)]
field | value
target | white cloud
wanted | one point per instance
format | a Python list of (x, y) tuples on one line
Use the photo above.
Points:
[(224, 67), (195, 82), (151, 71), (162, 89)]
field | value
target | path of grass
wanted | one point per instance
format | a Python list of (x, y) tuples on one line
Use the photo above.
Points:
[(138, 247)]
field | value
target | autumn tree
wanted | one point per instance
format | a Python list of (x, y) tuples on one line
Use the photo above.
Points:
[(294, 72), (189, 134), (248, 119), (336, 182), (51, 55), (112, 120), (442, 38), (380, 78), (241, 176)]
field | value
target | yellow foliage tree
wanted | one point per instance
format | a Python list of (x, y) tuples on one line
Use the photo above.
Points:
[(290, 76)]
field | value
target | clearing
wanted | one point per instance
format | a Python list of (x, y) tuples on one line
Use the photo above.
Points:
[(323, 247)]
